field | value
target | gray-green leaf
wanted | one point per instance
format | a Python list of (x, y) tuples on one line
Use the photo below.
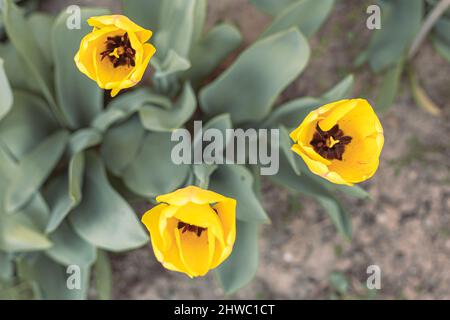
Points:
[(33, 170), (5, 92), (152, 172), (236, 182), (248, 89), (79, 97), (241, 266), (306, 15), (104, 218)]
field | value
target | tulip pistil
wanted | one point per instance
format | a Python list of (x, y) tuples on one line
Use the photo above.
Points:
[(330, 144), (191, 228), (119, 51)]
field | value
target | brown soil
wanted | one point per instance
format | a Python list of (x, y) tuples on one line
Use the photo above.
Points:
[(404, 228)]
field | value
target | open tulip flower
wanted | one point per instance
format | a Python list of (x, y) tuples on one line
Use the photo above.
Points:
[(192, 230), (341, 141), (115, 54)]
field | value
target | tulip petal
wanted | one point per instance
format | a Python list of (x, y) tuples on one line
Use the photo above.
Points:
[(138, 73), (360, 160), (167, 255), (194, 252), (85, 58), (190, 194), (339, 111), (362, 121), (150, 219), (201, 215), (121, 22), (227, 215), (319, 168)]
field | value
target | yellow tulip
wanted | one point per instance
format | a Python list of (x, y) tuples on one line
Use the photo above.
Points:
[(341, 141), (192, 230), (115, 54)]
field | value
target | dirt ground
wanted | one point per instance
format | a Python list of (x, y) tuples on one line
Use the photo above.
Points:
[(404, 228)]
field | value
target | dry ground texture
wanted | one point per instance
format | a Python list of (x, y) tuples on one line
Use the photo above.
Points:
[(405, 228)]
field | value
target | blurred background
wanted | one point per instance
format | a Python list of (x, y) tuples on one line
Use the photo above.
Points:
[(404, 228)]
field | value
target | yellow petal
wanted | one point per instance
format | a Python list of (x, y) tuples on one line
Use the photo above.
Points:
[(310, 152), (339, 110), (319, 168), (151, 220), (227, 215), (85, 58), (201, 215), (360, 160), (138, 73), (167, 255), (361, 121), (190, 194), (194, 252), (121, 22)]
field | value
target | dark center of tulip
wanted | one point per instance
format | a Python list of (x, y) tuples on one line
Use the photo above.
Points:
[(191, 228), (330, 144), (119, 51)]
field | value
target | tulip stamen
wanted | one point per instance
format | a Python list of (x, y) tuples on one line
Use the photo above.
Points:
[(189, 227), (330, 144), (119, 51)]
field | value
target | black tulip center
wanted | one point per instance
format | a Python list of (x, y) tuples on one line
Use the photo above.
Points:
[(330, 144), (119, 51)]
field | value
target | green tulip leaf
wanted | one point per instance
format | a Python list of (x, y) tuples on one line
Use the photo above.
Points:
[(340, 91), (124, 106), (103, 218), (236, 182), (6, 267), (103, 276), (203, 171), (157, 119), (59, 200), (248, 89), (171, 65), (285, 145), (33, 170), (306, 15), (272, 7), (310, 185), (241, 266), (387, 92), (292, 113), (41, 25), (26, 125), (153, 173), (69, 248), (5, 92), (53, 279), (18, 233), (80, 98), (144, 13), (21, 231), (200, 12), (121, 144), (84, 139), (401, 20), (23, 40), (176, 28), (212, 50)]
